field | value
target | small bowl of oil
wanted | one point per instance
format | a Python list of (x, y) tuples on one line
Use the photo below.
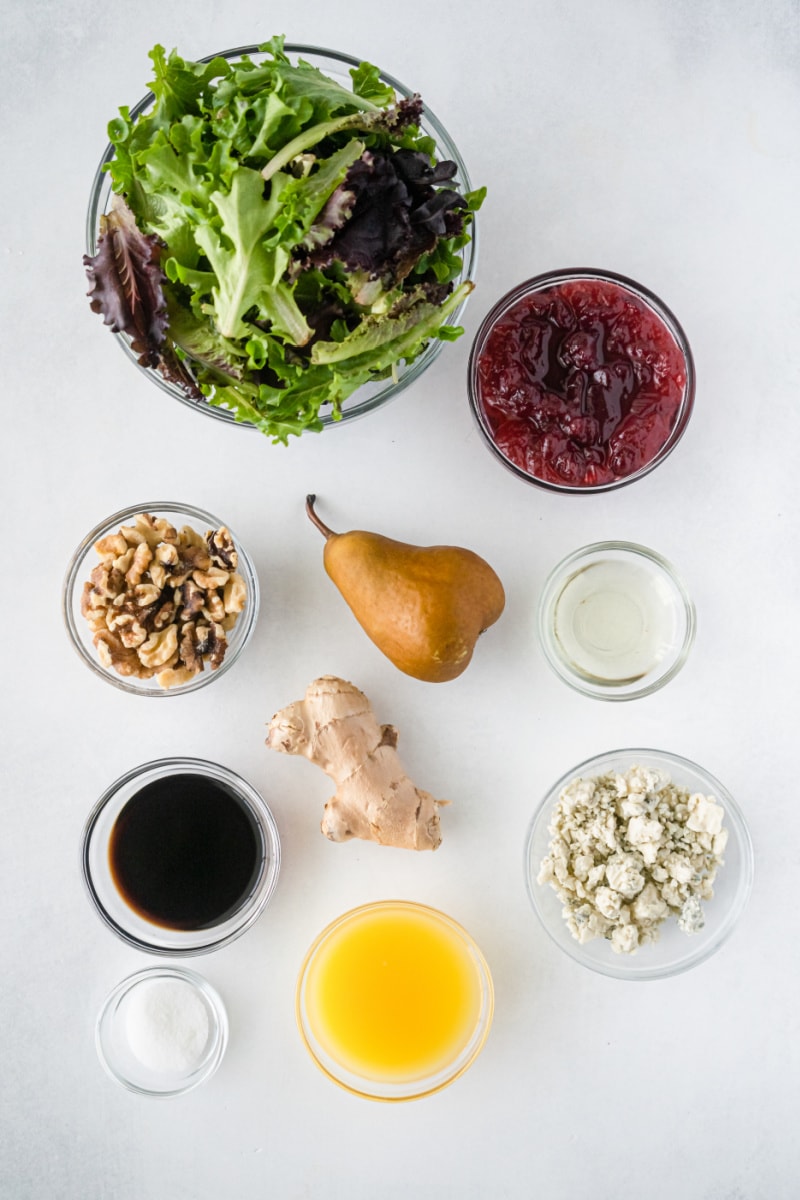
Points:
[(616, 621)]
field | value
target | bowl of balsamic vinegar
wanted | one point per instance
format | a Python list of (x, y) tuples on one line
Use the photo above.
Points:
[(180, 856)]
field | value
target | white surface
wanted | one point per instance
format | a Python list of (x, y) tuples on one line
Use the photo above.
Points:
[(656, 139)]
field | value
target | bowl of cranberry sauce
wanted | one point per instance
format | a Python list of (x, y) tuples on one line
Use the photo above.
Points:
[(581, 381)]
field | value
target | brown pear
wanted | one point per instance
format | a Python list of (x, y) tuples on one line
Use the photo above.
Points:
[(424, 607)]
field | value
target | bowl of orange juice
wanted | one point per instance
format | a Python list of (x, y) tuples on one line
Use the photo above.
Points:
[(394, 1000)]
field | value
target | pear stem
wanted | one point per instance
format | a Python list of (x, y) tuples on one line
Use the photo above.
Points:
[(321, 526)]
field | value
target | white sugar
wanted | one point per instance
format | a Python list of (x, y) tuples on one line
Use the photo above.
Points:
[(167, 1025)]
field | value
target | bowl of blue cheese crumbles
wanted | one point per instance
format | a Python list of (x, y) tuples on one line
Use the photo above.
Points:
[(638, 863)]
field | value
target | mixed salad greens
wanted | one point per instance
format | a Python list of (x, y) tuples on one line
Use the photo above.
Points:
[(276, 240)]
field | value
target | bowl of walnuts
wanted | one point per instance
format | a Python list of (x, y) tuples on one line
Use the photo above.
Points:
[(160, 599)]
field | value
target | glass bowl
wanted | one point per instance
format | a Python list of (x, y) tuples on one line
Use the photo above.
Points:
[(121, 1036), (84, 561), (394, 1000), (133, 870), (593, 388), (371, 395), (615, 621), (675, 951)]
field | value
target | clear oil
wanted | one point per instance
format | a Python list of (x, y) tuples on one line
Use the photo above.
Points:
[(614, 621)]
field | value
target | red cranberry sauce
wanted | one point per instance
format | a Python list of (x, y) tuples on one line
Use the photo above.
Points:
[(580, 384)]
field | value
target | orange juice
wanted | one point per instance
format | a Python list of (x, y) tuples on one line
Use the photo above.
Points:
[(394, 992)]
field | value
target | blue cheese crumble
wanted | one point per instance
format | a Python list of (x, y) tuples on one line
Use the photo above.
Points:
[(629, 850)]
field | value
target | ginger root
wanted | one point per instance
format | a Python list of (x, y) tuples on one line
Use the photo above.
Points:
[(334, 726)]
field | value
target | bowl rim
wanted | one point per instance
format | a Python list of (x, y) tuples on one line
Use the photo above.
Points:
[(554, 584), (100, 195), (216, 1052), (72, 581), (399, 1092), (626, 967), (253, 904), (554, 278)]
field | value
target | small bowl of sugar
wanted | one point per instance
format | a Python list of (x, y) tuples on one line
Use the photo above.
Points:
[(162, 1031)]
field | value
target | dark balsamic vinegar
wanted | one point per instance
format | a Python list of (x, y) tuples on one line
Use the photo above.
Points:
[(184, 852)]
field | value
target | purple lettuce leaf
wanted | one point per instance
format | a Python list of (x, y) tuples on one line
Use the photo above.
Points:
[(386, 214), (126, 280)]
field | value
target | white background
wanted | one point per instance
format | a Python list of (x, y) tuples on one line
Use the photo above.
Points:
[(659, 140)]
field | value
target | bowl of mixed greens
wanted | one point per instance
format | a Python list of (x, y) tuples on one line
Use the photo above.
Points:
[(280, 236)]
